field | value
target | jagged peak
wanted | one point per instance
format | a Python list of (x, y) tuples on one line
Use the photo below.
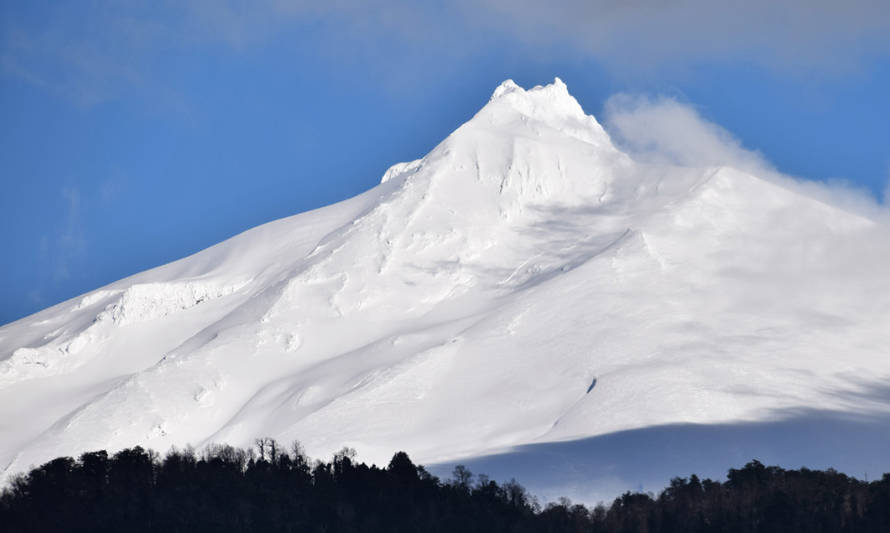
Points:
[(551, 105), (509, 113), (506, 86), (541, 101)]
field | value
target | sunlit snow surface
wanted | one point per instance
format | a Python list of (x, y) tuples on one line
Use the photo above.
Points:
[(462, 309)]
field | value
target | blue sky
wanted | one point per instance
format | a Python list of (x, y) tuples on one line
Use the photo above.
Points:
[(135, 133)]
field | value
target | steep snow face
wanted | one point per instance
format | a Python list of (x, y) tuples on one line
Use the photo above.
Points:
[(524, 282)]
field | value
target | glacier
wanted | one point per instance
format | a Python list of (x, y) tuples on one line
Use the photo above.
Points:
[(527, 299)]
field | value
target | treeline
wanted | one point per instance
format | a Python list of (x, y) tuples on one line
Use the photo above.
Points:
[(272, 489)]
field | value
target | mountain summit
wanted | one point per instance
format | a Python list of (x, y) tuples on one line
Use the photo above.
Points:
[(524, 284)]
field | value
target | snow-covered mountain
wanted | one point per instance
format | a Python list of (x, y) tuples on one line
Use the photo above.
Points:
[(525, 289)]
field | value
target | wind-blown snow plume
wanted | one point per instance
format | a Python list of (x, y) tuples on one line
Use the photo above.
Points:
[(662, 130)]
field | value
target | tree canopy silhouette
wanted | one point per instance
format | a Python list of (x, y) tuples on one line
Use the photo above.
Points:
[(271, 488)]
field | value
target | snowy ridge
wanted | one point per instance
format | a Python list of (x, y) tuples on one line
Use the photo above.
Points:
[(524, 282), (138, 303)]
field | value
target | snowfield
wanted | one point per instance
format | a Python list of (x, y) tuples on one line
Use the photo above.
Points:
[(525, 297)]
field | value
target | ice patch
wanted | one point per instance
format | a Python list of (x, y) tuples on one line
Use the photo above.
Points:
[(398, 169), (138, 303), (23, 357), (150, 301), (41, 361), (94, 298), (506, 87)]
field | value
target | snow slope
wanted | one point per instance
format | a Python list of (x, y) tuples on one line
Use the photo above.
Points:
[(524, 283)]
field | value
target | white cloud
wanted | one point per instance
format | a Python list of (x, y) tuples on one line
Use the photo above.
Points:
[(810, 33), (667, 131), (663, 130), (820, 34), (91, 52)]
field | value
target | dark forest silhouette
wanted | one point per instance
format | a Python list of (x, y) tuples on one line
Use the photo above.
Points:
[(274, 489)]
